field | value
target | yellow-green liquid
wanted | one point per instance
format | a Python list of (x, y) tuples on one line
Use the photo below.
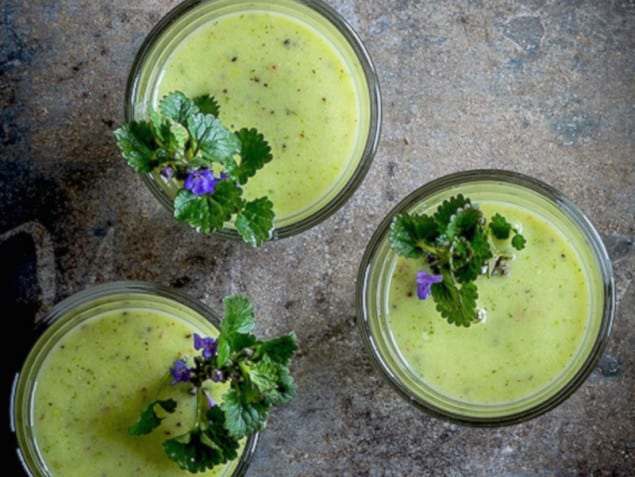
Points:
[(93, 386), (536, 320), (277, 74)]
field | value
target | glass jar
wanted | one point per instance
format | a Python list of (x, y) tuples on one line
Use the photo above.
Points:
[(144, 318), (544, 324), (293, 69)]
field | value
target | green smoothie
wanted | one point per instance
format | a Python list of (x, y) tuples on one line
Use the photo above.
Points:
[(536, 318), (543, 315), (95, 382), (275, 72)]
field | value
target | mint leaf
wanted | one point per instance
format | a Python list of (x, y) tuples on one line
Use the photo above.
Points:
[(258, 380), (243, 417), (255, 222), (263, 374), (411, 234), (463, 222), (455, 243), (285, 389), (207, 105), (448, 208), (457, 305), (136, 143), (149, 420), (500, 227), (239, 315), (204, 447), (177, 107), (184, 141), (238, 320), (281, 349), (255, 152), (518, 241), (213, 141), (208, 213)]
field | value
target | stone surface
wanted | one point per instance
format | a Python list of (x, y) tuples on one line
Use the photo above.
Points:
[(543, 88)]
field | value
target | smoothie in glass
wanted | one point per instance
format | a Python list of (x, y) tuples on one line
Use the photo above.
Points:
[(293, 71), (92, 373), (543, 323), (535, 320)]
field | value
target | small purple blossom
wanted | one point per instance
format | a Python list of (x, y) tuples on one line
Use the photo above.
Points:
[(218, 376), (180, 372), (208, 345), (202, 181), (210, 401), (424, 283), (167, 172)]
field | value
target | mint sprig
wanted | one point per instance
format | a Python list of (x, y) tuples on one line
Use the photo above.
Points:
[(183, 139), (258, 376), (457, 246)]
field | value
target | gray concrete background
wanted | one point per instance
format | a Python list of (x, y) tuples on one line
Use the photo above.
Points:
[(541, 87)]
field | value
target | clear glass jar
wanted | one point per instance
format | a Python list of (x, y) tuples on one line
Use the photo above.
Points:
[(495, 372), (294, 213), (106, 301)]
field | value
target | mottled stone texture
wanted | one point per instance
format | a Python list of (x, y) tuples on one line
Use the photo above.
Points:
[(540, 87)]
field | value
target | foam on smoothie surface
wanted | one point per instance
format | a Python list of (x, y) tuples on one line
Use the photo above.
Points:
[(282, 77)]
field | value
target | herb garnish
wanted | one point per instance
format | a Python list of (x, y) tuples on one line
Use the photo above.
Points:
[(186, 142), (258, 379), (456, 243)]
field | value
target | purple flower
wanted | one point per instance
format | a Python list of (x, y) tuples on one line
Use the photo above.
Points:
[(180, 372), (208, 345), (210, 401), (424, 283), (202, 181), (167, 172), (218, 376)]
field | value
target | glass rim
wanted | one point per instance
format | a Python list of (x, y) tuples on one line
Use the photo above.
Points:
[(371, 81), (571, 211), (64, 309)]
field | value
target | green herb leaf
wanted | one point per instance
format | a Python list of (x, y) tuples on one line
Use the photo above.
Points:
[(258, 378), (500, 227), (204, 447), (455, 244), (255, 222), (212, 141), (177, 107), (448, 208), (149, 420), (518, 242), (281, 349), (185, 142), (285, 390), (136, 143), (207, 105), (243, 417), (263, 374), (239, 319), (456, 304), (208, 213), (255, 152), (413, 235)]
